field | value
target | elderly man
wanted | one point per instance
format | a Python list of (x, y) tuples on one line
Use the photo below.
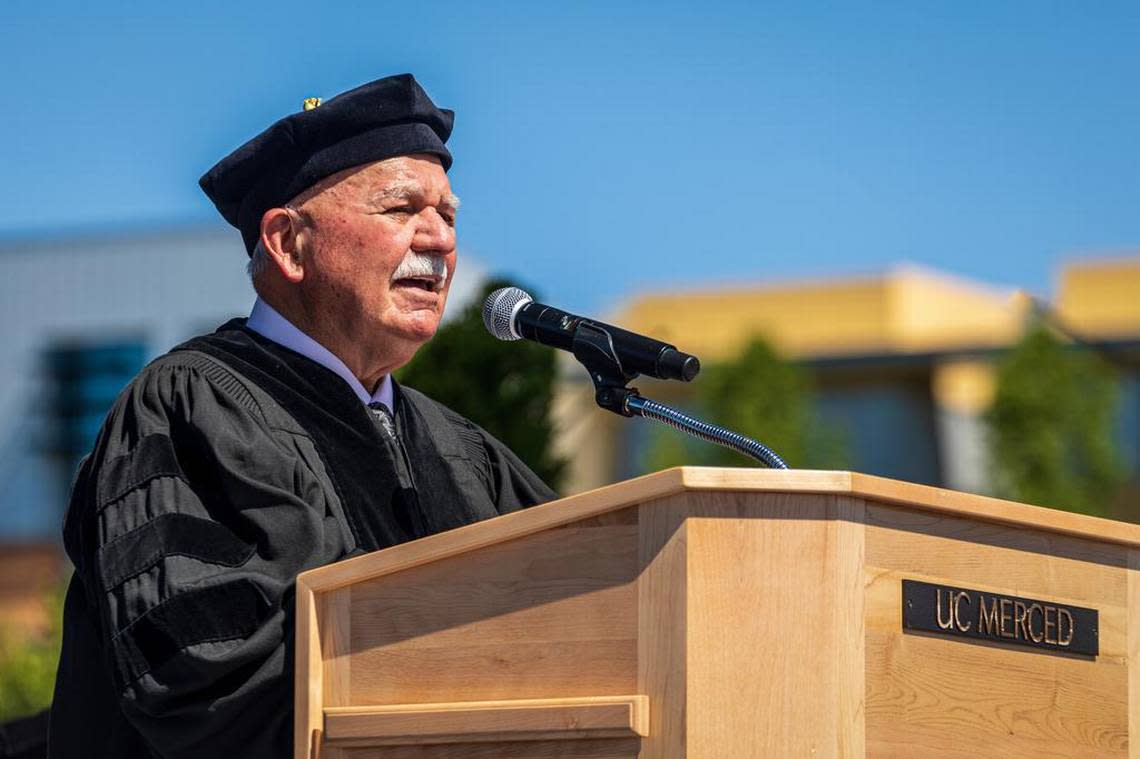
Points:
[(275, 444)]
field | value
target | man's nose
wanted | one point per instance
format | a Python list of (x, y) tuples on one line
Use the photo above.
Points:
[(433, 233)]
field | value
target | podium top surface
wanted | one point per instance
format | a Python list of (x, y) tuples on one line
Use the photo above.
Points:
[(689, 479)]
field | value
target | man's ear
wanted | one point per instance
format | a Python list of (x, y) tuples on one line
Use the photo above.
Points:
[(280, 233)]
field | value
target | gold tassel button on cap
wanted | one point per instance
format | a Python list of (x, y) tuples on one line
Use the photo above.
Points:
[(310, 103)]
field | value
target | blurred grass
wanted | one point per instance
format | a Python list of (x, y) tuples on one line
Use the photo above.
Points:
[(28, 663)]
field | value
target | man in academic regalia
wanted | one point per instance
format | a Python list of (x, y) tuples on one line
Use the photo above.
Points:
[(276, 444)]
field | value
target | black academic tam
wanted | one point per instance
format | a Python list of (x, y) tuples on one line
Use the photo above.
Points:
[(389, 117)]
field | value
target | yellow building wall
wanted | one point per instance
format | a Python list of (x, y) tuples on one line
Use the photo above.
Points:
[(933, 313), (1101, 299), (799, 319), (908, 311)]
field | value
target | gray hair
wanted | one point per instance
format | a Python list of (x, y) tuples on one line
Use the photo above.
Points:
[(258, 261)]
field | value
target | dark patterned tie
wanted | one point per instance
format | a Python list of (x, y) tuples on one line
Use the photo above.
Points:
[(405, 501), (383, 418)]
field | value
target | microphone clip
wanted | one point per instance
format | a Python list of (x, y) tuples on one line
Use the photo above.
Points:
[(594, 348)]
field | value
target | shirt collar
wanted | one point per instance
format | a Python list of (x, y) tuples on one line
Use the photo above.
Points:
[(265, 321)]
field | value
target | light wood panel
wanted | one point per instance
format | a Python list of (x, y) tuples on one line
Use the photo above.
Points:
[(922, 497), (333, 609), (489, 721), (604, 748), (848, 653), (942, 697), (495, 531), (764, 598), (934, 696), (552, 615), (335, 633), (308, 702), (662, 627), (1133, 607), (1025, 559)]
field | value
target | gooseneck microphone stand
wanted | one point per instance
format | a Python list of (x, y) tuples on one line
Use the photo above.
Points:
[(594, 349)]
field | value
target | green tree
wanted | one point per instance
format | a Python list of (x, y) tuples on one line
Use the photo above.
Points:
[(761, 395), (504, 388), (1051, 426), (28, 665)]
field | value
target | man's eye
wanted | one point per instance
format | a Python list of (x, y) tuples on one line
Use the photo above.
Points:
[(399, 210)]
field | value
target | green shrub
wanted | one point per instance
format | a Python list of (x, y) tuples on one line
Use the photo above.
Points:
[(1051, 426), (505, 388), (759, 394)]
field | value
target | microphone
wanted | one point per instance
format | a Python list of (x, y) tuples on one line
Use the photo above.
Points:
[(511, 314)]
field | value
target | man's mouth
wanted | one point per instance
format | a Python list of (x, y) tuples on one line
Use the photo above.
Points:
[(428, 283)]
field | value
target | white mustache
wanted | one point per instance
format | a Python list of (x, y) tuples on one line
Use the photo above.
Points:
[(421, 265)]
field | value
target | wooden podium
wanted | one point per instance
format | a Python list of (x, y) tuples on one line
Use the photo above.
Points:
[(727, 613)]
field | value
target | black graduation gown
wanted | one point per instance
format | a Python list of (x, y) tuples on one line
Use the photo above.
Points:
[(224, 469)]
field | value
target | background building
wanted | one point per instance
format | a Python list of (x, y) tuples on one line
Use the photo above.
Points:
[(903, 363)]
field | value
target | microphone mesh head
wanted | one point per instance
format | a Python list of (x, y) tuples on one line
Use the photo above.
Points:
[(499, 311)]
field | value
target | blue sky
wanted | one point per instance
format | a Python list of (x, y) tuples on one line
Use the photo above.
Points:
[(604, 149)]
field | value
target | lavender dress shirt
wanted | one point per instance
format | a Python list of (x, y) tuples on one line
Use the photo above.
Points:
[(265, 321)]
